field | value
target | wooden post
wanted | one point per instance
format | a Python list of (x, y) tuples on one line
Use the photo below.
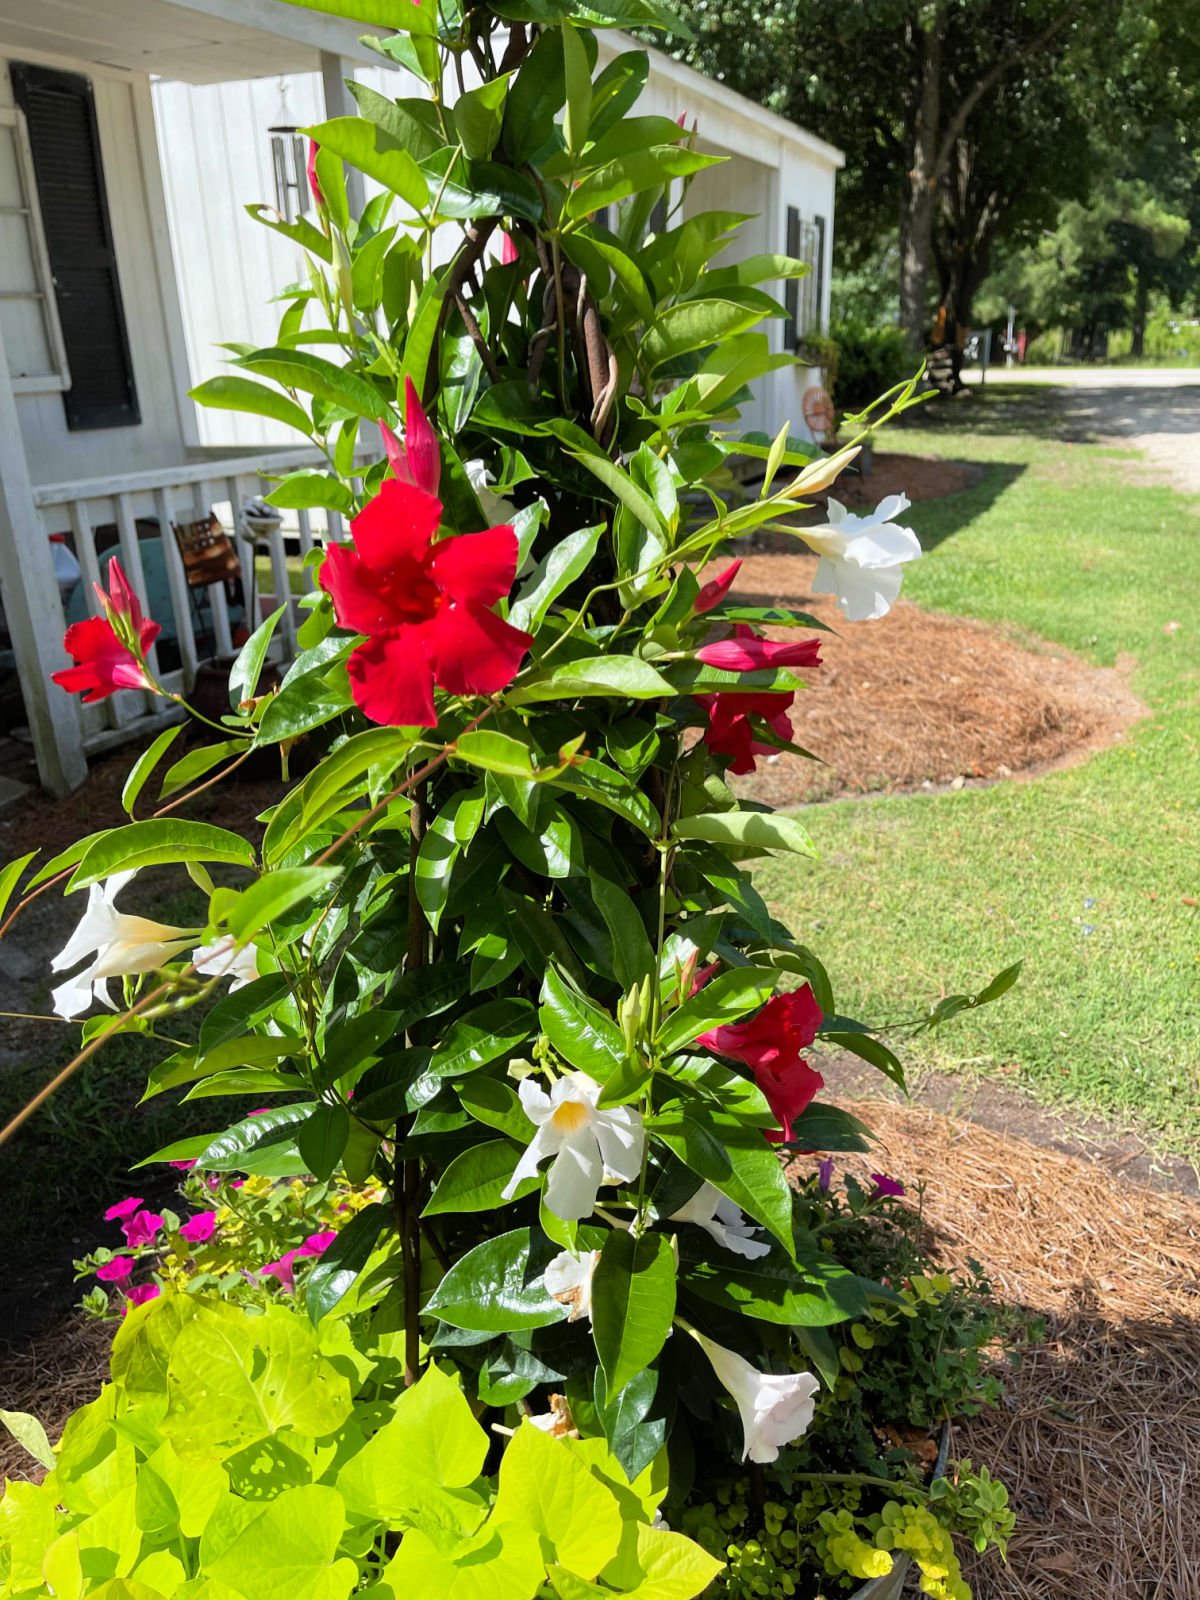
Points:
[(339, 102), (33, 609)]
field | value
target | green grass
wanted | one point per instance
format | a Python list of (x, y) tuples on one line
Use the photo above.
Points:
[(1084, 873)]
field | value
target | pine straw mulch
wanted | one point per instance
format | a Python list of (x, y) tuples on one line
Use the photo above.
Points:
[(1099, 1438), (919, 700)]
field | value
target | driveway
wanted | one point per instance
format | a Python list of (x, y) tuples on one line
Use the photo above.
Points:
[(1155, 409)]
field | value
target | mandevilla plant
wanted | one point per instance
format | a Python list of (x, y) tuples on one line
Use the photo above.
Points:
[(498, 951)]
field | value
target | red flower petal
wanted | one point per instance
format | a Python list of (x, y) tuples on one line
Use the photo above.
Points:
[(391, 678), (360, 601), (788, 1093), (102, 663), (399, 524), (712, 593), (476, 567), (750, 654), (474, 651)]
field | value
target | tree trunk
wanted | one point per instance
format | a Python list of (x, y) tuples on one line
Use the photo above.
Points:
[(917, 207), (1141, 303)]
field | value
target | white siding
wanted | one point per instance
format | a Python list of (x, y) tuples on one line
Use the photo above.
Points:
[(52, 451)]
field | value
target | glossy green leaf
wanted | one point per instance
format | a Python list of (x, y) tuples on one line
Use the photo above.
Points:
[(336, 1269), (158, 840), (487, 1034), (280, 1549), (734, 1158), (475, 1179), (247, 669), (478, 116), (375, 152), (818, 1293), (228, 392), (559, 568), (585, 1036), (275, 894), (321, 1138), (30, 1435), (596, 675), (308, 487), (497, 1287), (496, 1105), (633, 1304), (293, 369), (633, 956), (756, 830), (139, 774), (725, 998)]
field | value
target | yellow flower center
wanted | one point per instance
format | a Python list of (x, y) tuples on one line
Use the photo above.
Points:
[(569, 1117)]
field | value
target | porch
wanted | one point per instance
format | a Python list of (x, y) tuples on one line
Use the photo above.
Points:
[(99, 447)]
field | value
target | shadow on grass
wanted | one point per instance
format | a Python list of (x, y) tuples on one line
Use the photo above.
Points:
[(1091, 414), (936, 521)]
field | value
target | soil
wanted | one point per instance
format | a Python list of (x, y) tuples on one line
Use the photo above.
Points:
[(918, 700)]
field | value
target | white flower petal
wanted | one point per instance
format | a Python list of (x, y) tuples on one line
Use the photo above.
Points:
[(222, 959), (569, 1279), (91, 932), (574, 1179), (545, 1142), (534, 1099), (621, 1138), (775, 1408)]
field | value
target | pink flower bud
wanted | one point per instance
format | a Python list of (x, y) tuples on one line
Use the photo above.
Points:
[(712, 593), (420, 443), (313, 181), (508, 251)]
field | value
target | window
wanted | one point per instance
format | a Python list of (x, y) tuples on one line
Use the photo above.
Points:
[(37, 357), (60, 116), (804, 297)]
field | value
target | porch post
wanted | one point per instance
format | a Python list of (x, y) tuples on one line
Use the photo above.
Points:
[(339, 102), (33, 609)]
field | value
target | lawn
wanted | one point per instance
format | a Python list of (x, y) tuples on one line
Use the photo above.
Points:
[(1090, 874)]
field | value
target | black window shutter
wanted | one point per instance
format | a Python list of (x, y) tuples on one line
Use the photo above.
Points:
[(791, 289), (819, 274), (61, 116)]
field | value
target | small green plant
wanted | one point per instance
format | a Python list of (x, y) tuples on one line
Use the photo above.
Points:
[(871, 360)]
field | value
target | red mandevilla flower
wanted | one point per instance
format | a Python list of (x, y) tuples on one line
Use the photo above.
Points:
[(746, 651), (730, 731), (712, 593), (424, 607), (770, 1044), (109, 651)]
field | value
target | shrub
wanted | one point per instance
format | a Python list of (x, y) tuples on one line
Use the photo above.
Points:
[(871, 360)]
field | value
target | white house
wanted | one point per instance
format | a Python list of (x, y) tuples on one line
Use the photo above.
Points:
[(126, 256)]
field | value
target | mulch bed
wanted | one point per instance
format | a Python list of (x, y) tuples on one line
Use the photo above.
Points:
[(1099, 1435), (919, 700)]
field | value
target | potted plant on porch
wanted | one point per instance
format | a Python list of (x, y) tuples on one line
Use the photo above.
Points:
[(497, 955)]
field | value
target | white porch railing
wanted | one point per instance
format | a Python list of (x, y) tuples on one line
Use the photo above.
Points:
[(131, 516)]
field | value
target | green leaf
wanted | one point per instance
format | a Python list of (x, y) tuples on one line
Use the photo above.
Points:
[(233, 1379), (412, 123), (867, 1048), (584, 449), (534, 98), (544, 1487), (692, 324), (582, 1034), (494, 752), (273, 896), (293, 369), (500, 1561), (263, 1144), (280, 1549), (663, 1566), (757, 830), (577, 114), (823, 1127), (734, 1158), (139, 773), (11, 876), (771, 1288), (452, 828), (336, 1269), (196, 763), (30, 1435), (593, 780), (633, 1304), (497, 1287), (633, 955), (158, 840), (231, 393), (484, 1035), (478, 116), (307, 487), (627, 676), (496, 1105), (728, 996), (321, 1138), (247, 669), (565, 561), (375, 152), (634, 173), (474, 1179)]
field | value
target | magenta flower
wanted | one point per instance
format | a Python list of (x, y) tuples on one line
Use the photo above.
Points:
[(142, 1228), (885, 1186), (118, 1270), (182, 1166), (317, 1243), (713, 592), (747, 651), (508, 251), (283, 1269), (200, 1228), (825, 1174), (139, 1296), (311, 170), (123, 1208)]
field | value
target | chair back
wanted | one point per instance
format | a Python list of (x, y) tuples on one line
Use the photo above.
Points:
[(207, 551)]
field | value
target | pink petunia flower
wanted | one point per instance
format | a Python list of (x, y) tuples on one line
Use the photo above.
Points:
[(200, 1228), (284, 1270), (142, 1228), (317, 1243), (182, 1166), (139, 1296), (118, 1270), (123, 1208)]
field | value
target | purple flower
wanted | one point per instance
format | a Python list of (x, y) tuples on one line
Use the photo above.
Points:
[(123, 1208), (317, 1243), (118, 1270), (199, 1229), (885, 1186), (825, 1174), (142, 1228)]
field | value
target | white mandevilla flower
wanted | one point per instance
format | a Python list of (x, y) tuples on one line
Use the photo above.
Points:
[(222, 960), (569, 1279), (120, 945), (862, 557), (495, 507), (589, 1146), (776, 1407), (716, 1214)]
